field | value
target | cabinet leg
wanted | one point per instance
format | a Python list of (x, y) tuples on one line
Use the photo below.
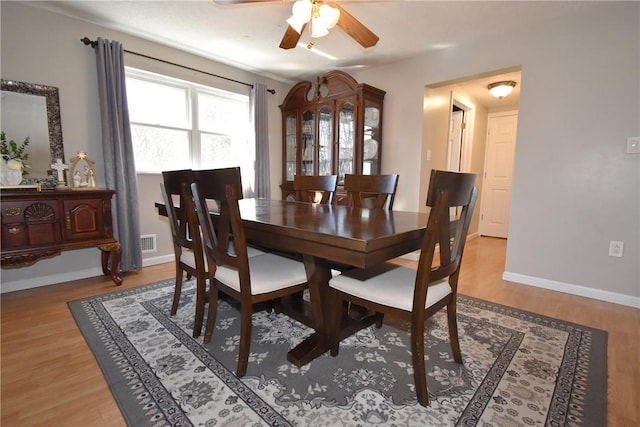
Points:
[(114, 250)]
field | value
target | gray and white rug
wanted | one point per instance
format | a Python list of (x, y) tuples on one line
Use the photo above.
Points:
[(520, 369)]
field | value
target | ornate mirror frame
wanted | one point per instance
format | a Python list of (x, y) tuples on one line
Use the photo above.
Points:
[(52, 101)]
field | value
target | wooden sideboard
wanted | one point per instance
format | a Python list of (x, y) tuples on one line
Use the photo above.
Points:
[(39, 225)]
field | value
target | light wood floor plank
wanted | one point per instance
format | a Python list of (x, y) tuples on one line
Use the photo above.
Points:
[(50, 377)]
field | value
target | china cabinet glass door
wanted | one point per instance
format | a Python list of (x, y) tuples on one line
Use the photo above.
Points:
[(346, 138), (290, 145), (371, 133), (325, 140), (308, 149)]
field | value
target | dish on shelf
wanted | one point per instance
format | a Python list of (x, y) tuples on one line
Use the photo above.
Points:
[(370, 149), (371, 116)]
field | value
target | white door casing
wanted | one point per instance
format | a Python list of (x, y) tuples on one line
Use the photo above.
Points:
[(498, 172), (455, 141)]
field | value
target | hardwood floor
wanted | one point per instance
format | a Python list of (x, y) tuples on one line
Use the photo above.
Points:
[(50, 377)]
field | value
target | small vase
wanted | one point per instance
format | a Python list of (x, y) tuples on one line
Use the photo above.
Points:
[(10, 177)]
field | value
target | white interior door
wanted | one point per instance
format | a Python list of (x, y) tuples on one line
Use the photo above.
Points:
[(498, 171)]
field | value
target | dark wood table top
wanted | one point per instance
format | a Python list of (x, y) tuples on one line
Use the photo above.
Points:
[(360, 237)]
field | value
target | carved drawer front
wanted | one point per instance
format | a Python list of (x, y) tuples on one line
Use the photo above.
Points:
[(14, 236), (13, 212), (84, 219), (29, 224)]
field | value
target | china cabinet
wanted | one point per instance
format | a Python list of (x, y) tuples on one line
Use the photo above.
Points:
[(332, 127)]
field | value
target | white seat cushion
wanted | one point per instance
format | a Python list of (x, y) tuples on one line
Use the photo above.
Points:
[(187, 257), (268, 272), (251, 251), (393, 286)]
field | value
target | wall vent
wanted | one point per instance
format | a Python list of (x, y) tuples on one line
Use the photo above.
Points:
[(148, 243)]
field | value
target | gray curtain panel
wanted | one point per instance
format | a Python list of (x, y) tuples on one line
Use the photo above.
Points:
[(258, 100), (120, 173)]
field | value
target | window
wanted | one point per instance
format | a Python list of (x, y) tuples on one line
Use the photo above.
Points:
[(177, 124)]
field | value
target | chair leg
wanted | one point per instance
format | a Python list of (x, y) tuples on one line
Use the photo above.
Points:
[(245, 339), (335, 321), (211, 314), (452, 320), (379, 319), (177, 291), (417, 356), (201, 296)]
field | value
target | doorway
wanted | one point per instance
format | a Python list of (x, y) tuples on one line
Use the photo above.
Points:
[(471, 95)]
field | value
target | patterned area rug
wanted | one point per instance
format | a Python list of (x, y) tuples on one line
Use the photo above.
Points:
[(520, 369)]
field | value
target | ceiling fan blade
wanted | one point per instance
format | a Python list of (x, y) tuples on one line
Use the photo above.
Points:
[(291, 37), (355, 28)]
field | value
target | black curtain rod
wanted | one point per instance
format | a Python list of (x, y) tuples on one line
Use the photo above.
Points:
[(93, 44)]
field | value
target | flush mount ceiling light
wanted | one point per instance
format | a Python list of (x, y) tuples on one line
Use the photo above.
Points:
[(501, 89)]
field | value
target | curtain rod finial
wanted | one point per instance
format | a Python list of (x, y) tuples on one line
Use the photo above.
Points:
[(88, 42)]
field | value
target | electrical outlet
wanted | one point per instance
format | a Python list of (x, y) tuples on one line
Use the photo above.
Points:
[(633, 145), (616, 248)]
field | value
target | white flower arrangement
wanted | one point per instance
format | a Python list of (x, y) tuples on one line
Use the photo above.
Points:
[(14, 157)]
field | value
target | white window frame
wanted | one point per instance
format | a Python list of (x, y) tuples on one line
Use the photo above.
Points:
[(193, 90)]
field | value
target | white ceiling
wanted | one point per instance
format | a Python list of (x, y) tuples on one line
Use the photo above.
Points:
[(247, 35)]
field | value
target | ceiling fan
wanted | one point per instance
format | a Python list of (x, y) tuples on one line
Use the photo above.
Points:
[(321, 16)]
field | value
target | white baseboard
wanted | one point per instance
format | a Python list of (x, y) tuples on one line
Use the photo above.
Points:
[(36, 282), (158, 260), (568, 288), (52, 279)]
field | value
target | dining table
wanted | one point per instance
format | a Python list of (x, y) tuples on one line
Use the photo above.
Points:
[(324, 237)]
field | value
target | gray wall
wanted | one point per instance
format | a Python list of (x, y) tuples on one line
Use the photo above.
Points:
[(41, 47), (574, 187)]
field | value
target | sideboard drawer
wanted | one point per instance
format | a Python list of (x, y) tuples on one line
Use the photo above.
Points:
[(14, 236)]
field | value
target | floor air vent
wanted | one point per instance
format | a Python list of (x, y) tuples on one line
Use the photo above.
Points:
[(148, 243)]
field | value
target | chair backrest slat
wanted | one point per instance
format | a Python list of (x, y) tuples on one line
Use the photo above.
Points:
[(377, 191), (171, 187), (447, 191), (307, 187), (224, 238)]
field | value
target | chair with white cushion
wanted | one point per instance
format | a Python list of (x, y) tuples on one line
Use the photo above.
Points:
[(415, 295), (187, 245), (249, 280)]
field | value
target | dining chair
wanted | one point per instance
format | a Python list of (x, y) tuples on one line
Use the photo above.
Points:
[(414, 295), (308, 187), (372, 191), (187, 243), (376, 191), (248, 280)]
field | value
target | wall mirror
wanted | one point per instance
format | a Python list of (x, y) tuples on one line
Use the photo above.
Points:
[(33, 110)]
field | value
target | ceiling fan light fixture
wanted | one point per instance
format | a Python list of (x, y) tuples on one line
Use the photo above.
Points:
[(301, 14), (329, 16), (318, 28), (501, 89)]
